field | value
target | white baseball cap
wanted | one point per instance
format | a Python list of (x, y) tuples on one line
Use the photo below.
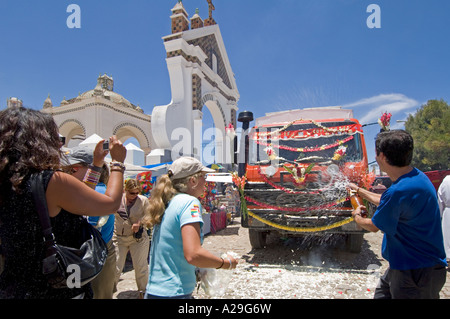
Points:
[(187, 166)]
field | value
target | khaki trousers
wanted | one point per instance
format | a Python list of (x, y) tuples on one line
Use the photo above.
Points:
[(139, 255), (103, 284)]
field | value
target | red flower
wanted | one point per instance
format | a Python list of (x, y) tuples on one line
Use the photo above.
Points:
[(385, 120)]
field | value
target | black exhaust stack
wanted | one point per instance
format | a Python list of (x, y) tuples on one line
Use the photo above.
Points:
[(245, 117)]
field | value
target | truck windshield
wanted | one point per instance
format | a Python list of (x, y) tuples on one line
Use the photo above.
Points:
[(306, 143)]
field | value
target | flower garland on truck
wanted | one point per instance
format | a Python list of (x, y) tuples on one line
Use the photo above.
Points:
[(299, 175)]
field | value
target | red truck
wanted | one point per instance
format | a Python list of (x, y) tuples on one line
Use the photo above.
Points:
[(436, 177), (297, 164)]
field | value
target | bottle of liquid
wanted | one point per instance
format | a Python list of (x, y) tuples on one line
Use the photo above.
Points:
[(357, 201)]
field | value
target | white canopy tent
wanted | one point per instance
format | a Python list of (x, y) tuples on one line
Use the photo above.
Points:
[(91, 141), (219, 177), (130, 169), (135, 155)]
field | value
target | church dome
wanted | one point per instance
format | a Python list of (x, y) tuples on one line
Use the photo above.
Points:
[(105, 89), (109, 95)]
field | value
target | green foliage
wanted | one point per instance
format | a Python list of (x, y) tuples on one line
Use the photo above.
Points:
[(430, 128)]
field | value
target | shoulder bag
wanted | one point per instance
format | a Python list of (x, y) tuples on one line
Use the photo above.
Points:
[(81, 264)]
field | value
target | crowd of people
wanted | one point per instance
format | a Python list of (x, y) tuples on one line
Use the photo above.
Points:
[(30, 143), (79, 185)]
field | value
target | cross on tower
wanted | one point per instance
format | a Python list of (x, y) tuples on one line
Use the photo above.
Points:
[(211, 8)]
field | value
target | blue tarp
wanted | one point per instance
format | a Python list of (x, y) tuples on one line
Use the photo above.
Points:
[(156, 165)]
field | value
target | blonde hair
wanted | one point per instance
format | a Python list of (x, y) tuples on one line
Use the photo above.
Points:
[(132, 184), (162, 193)]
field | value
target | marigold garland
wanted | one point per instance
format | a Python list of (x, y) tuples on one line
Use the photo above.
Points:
[(301, 229)]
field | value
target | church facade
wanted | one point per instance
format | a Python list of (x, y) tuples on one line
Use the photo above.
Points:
[(103, 112), (200, 75)]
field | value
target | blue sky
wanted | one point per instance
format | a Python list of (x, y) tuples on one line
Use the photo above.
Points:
[(285, 54)]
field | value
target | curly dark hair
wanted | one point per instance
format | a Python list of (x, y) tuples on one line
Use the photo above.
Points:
[(29, 143)]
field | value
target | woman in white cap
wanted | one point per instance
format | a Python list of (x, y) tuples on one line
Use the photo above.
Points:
[(176, 214)]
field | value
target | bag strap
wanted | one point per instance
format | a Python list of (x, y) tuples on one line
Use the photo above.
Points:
[(38, 195)]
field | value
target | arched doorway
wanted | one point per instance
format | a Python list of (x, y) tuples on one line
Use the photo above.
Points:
[(135, 140), (74, 132), (216, 144)]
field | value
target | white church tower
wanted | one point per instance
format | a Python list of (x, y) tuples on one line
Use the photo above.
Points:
[(200, 75)]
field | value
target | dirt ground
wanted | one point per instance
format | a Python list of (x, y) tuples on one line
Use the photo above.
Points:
[(289, 268)]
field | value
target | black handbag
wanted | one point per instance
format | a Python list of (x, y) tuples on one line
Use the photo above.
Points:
[(67, 267)]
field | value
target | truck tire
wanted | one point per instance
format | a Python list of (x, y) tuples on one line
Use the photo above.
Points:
[(354, 242), (257, 238)]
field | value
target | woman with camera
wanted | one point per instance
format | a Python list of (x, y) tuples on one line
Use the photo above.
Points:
[(130, 235), (30, 143)]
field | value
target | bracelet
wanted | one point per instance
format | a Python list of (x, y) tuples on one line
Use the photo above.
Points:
[(221, 264), (357, 191), (95, 168), (116, 169), (91, 177), (117, 166)]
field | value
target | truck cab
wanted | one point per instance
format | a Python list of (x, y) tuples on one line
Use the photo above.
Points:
[(297, 166)]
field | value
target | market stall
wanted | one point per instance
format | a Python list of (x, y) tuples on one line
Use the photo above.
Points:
[(219, 201)]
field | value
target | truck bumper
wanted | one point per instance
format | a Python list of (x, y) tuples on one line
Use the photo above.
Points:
[(302, 223)]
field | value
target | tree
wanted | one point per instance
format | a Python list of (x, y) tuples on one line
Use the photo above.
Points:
[(430, 128)]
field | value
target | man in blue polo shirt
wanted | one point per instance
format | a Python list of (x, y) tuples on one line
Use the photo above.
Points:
[(408, 215)]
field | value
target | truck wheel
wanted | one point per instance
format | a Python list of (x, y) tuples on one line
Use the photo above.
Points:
[(257, 238), (354, 242)]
